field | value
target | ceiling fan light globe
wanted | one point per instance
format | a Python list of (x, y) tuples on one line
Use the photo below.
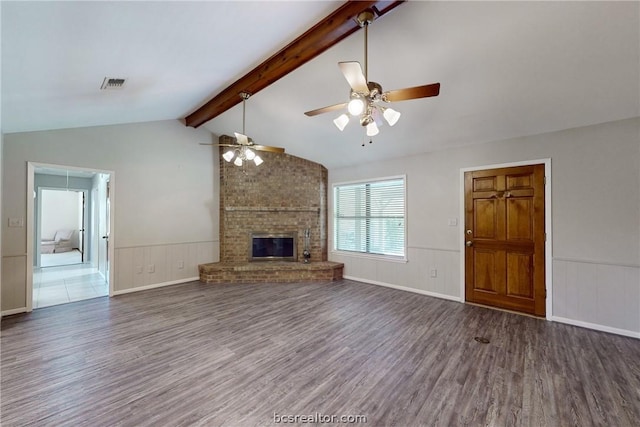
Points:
[(249, 154), (391, 116), (229, 155), (372, 129), (258, 160), (355, 106), (341, 121), (237, 161)]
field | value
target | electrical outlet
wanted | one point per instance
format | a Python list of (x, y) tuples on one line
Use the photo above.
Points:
[(180, 265), (453, 222), (151, 268), (433, 272)]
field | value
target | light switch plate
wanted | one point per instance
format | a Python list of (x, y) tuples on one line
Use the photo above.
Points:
[(16, 222), (453, 222)]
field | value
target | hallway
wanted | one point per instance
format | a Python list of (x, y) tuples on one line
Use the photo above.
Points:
[(59, 285)]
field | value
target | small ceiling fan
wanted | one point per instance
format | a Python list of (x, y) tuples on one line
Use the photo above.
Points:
[(243, 149), (366, 97)]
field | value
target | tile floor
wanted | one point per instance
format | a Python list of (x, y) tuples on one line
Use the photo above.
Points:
[(59, 285)]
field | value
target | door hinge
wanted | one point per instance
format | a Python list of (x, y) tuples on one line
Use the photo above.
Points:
[(545, 237), (545, 180), (545, 293)]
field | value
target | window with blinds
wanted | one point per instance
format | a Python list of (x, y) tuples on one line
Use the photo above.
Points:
[(369, 217)]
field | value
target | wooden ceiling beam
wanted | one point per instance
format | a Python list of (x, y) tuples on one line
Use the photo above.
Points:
[(325, 34)]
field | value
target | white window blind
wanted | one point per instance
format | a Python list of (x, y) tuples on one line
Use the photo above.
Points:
[(369, 217)]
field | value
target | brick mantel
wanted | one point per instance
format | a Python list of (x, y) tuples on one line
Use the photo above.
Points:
[(268, 209)]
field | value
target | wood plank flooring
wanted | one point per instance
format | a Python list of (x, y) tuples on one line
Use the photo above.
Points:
[(233, 355)]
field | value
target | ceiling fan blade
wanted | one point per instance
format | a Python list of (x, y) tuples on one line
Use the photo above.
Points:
[(219, 145), (251, 145), (353, 73), (326, 109), (267, 148), (242, 139), (412, 93)]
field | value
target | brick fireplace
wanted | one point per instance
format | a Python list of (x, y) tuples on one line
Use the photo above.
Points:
[(284, 195)]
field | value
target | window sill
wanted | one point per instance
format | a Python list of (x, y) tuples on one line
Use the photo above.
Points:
[(388, 258)]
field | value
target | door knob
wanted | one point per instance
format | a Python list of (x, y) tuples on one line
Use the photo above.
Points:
[(469, 243)]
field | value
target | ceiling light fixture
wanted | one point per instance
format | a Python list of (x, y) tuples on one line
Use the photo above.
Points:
[(366, 97), (356, 105), (243, 148), (390, 115), (241, 152), (364, 105), (372, 129), (341, 121)]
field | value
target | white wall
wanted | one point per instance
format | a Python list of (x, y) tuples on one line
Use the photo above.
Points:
[(60, 211), (595, 219), (1, 171), (166, 193)]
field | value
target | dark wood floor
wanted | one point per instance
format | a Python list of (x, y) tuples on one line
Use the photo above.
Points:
[(211, 355)]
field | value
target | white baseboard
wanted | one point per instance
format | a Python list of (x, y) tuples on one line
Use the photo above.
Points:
[(404, 288), (594, 326), (597, 327), (156, 285), (13, 311)]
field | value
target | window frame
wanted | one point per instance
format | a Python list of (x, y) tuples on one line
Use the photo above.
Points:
[(358, 254)]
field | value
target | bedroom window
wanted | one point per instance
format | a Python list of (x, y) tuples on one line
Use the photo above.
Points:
[(369, 217)]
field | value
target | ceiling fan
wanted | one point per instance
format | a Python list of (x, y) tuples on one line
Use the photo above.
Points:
[(366, 97), (243, 150)]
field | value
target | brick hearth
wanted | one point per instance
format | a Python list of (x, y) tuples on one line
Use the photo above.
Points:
[(284, 194), (270, 271)]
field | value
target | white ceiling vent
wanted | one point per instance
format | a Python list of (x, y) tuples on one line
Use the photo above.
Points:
[(113, 83)]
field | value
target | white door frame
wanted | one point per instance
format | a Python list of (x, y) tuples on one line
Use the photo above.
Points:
[(31, 170), (548, 256)]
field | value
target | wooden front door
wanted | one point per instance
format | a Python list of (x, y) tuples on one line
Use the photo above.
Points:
[(504, 237)]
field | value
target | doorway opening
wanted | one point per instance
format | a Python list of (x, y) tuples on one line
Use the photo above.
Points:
[(68, 231), (60, 224)]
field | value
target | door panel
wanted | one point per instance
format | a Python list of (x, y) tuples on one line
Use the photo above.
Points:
[(515, 182), (485, 278), (504, 216), (484, 184), (484, 221), (519, 274), (519, 219)]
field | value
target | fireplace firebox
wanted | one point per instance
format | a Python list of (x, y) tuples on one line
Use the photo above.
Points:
[(273, 247)]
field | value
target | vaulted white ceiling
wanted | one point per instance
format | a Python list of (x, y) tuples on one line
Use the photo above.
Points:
[(507, 69)]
